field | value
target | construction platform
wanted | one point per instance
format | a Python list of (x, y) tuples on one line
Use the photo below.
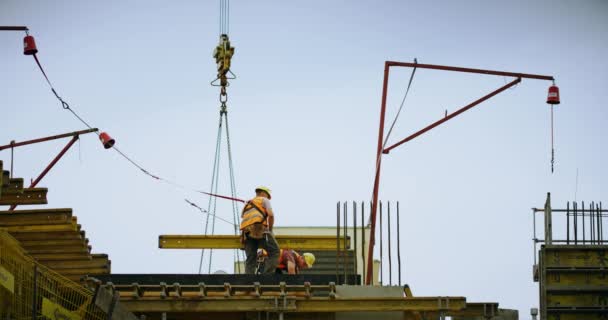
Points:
[(277, 297)]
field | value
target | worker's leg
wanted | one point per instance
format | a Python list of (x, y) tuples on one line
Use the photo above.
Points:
[(272, 247), (251, 253)]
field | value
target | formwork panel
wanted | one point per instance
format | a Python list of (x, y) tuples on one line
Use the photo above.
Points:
[(576, 256), (574, 282), (583, 300), (568, 277)]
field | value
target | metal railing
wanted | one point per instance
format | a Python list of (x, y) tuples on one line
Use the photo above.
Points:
[(584, 224), (29, 290)]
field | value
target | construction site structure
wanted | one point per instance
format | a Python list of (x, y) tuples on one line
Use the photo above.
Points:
[(50, 244), (572, 267)]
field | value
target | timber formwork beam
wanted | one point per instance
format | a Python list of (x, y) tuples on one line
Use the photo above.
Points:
[(23, 197), (35, 217), (286, 304), (321, 243)]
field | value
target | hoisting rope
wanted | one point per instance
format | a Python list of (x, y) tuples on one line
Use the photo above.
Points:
[(407, 90), (223, 57), (401, 106), (552, 142)]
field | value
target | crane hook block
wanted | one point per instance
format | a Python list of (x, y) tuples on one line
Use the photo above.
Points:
[(223, 55)]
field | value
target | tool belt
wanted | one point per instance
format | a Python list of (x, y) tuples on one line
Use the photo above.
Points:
[(255, 231)]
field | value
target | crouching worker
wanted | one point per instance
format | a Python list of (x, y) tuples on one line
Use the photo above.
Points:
[(257, 220), (290, 261)]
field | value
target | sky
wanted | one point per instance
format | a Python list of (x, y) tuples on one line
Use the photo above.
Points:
[(304, 116)]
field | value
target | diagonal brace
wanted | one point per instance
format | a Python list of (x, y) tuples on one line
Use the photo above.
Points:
[(452, 115)]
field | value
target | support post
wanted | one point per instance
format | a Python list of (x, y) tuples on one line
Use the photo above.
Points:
[(372, 240), (548, 222)]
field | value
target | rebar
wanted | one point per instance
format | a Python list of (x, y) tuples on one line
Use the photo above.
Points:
[(398, 245), (390, 260), (363, 242), (345, 251), (381, 247), (337, 238), (355, 237)]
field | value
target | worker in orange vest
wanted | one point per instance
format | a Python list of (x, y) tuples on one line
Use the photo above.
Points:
[(290, 261), (257, 220)]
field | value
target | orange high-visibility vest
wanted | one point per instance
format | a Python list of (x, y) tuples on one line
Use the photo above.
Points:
[(254, 212)]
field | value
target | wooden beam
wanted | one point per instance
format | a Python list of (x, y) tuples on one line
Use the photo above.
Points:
[(44, 228), (54, 243), (23, 197), (58, 249), (233, 242), (57, 235), (84, 271), (485, 310), (35, 217), (295, 305), (97, 261), (43, 257)]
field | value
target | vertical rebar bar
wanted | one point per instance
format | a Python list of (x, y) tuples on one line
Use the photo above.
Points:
[(363, 242), (398, 245), (355, 240), (568, 222), (390, 260), (575, 209), (337, 240), (591, 222), (583, 219), (345, 251), (601, 223), (381, 246)]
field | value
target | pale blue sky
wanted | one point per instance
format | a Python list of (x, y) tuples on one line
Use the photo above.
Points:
[(304, 119)]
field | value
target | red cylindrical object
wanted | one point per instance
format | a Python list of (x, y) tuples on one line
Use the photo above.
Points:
[(553, 96), (29, 46), (107, 141)]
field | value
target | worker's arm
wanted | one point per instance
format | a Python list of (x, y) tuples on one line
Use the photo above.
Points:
[(291, 267), (270, 219)]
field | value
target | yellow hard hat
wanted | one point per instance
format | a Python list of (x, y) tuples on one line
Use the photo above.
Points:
[(309, 258), (265, 189)]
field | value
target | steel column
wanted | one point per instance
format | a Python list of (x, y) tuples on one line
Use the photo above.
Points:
[(372, 240)]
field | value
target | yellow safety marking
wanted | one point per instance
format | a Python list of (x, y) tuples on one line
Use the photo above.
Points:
[(54, 311), (7, 280)]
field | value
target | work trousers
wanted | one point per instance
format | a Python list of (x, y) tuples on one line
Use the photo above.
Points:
[(268, 243)]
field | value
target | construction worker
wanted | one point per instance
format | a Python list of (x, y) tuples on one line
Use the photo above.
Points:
[(257, 220), (290, 261)]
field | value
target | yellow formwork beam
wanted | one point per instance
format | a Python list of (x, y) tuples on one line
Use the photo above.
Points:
[(25, 196), (310, 305), (233, 242)]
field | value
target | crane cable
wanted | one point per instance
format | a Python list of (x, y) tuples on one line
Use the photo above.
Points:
[(223, 55)]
